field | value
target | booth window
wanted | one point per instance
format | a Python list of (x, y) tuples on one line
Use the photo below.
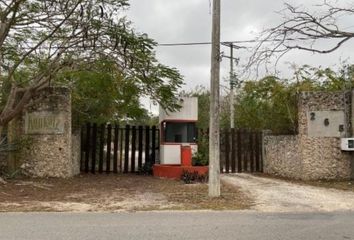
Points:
[(177, 132)]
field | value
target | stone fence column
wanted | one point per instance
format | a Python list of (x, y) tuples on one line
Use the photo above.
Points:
[(45, 135)]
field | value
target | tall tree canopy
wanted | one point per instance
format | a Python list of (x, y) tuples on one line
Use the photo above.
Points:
[(271, 103), (102, 94), (40, 39)]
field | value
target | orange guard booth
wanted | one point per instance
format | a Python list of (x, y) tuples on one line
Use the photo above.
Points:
[(178, 140)]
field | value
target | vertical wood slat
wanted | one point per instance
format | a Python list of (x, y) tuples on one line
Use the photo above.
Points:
[(100, 158), (233, 150), (140, 147), (153, 144), (87, 147), (227, 151), (245, 151), (94, 147), (115, 148), (147, 144), (109, 140), (158, 144), (257, 152), (239, 151), (132, 165), (126, 149), (82, 149), (121, 136), (252, 150), (261, 136), (222, 150)]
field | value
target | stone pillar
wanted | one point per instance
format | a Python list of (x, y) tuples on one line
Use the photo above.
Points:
[(352, 132), (46, 135), (324, 117)]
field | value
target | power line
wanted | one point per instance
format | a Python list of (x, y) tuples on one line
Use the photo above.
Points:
[(228, 43), (202, 43)]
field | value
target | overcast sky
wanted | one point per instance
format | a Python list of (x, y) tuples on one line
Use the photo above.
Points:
[(176, 21)]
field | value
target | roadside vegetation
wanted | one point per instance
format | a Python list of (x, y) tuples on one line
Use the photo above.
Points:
[(271, 102)]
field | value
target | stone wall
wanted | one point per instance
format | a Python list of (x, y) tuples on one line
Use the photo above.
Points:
[(46, 136), (3, 162), (75, 151), (282, 156), (313, 155)]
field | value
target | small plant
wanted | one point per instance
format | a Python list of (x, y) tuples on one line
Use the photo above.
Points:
[(200, 159), (7, 147), (11, 175), (193, 177), (146, 169)]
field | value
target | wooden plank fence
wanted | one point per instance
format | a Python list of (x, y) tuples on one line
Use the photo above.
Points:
[(240, 150), (111, 148)]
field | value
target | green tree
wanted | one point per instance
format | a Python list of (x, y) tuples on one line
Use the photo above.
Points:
[(102, 94), (269, 103), (40, 39)]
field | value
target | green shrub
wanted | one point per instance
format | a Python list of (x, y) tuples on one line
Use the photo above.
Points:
[(200, 159), (192, 177), (146, 169)]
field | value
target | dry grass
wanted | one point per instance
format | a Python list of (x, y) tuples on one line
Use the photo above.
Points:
[(114, 193)]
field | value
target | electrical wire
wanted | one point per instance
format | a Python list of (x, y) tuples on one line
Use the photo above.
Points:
[(200, 43), (228, 42)]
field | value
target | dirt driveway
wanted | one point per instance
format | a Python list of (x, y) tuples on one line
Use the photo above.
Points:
[(272, 195)]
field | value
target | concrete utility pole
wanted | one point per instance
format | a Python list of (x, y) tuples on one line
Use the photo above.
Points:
[(214, 132), (232, 109), (232, 80)]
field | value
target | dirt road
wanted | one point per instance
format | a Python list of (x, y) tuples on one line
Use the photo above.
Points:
[(272, 195)]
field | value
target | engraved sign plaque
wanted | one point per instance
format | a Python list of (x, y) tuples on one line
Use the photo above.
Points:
[(44, 123)]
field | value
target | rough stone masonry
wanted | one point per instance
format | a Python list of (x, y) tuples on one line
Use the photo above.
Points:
[(315, 152), (45, 134)]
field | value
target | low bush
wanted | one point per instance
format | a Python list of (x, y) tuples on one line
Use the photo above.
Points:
[(200, 159), (192, 177), (146, 169)]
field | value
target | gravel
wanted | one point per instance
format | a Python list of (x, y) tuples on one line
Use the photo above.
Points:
[(273, 195)]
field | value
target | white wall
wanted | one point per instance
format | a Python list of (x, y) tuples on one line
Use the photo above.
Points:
[(171, 154), (188, 112)]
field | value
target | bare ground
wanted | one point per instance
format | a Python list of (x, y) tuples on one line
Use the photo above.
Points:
[(347, 185), (111, 193), (275, 195)]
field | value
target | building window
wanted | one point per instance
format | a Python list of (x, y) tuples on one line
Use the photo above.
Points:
[(177, 132)]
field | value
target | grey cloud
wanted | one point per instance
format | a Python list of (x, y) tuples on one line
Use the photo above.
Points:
[(169, 21)]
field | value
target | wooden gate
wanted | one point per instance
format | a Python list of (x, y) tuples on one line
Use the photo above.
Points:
[(111, 148), (240, 150)]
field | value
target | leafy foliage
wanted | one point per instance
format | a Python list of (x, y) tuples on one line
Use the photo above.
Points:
[(271, 103), (200, 158), (146, 169), (192, 177), (102, 95), (41, 39)]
